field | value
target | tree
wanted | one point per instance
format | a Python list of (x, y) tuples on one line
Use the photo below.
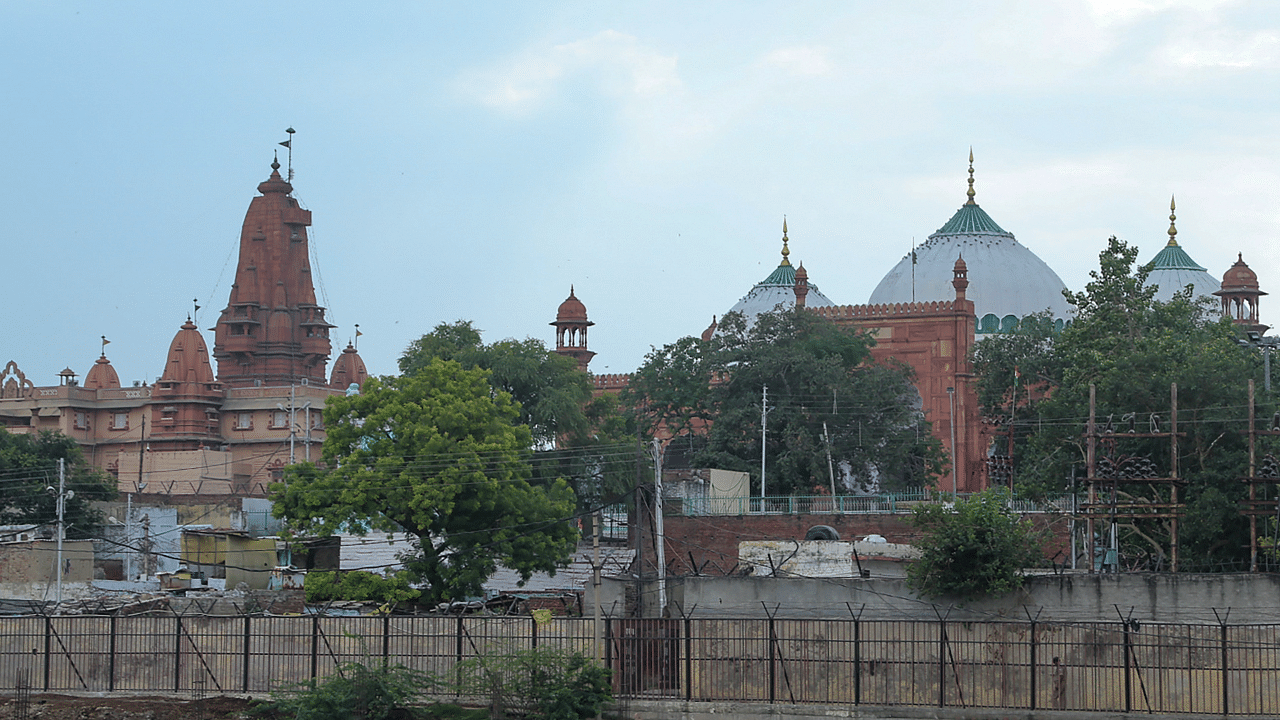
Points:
[(825, 396), (1132, 348), (575, 436), (975, 548), (29, 468), (437, 454), (550, 388)]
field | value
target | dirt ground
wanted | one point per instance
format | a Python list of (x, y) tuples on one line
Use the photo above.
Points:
[(67, 707)]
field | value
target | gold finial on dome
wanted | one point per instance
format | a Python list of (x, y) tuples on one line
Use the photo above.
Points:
[(785, 250), (1173, 228), (971, 193)]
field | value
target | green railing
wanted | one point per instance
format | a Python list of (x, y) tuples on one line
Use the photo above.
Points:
[(882, 504)]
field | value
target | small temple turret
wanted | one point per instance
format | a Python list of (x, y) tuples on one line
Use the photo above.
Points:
[(348, 370), (186, 399)]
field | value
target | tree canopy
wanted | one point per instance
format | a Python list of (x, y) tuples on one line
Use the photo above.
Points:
[(575, 436), (29, 465), (825, 394), (1132, 348), (440, 455)]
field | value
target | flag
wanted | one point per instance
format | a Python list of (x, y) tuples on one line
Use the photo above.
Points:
[(286, 144), (358, 333), (105, 341)]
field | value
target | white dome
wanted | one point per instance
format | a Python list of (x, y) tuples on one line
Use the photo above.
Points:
[(1172, 270), (1006, 279)]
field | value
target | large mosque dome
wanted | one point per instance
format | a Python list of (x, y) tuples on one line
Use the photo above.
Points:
[(1172, 269), (1007, 280), (778, 289)]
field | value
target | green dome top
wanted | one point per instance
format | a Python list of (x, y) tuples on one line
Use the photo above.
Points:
[(971, 220), (1173, 257)]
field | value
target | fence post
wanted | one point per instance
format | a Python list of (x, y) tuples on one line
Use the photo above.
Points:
[(48, 637), (244, 679), (111, 657), (457, 663), (177, 653), (942, 661), (773, 657), (1034, 647), (315, 644), (386, 639), (1222, 625), (857, 652), (608, 643), (1128, 673), (533, 622), (688, 658)]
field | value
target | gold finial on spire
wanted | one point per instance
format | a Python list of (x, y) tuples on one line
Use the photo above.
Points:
[(785, 250), (1173, 229), (971, 193)]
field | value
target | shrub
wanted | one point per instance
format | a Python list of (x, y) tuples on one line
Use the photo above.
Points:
[(542, 683), (357, 691), (972, 549), (359, 585)]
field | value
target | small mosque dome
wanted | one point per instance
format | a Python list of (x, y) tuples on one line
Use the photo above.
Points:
[(1007, 280), (102, 376), (1239, 276), (1172, 269), (572, 309), (779, 288)]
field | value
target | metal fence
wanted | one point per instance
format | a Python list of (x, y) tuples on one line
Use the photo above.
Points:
[(1111, 667), (883, 504)]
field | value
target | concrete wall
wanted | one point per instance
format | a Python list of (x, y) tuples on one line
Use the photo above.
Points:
[(1154, 597), (27, 569)]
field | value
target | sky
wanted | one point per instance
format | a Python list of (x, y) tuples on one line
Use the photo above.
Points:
[(476, 160)]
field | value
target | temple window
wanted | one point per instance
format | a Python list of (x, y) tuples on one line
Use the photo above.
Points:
[(244, 421), (120, 421)]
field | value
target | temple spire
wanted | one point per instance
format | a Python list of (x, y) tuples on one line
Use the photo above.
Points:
[(785, 250), (971, 193), (1173, 228)]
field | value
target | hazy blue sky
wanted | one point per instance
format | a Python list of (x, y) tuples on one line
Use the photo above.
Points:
[(472, 160)]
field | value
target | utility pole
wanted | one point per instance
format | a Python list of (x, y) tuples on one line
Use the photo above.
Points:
[(955, 495), (831, 469), (657, 522), (597, 635), (62, 496), (293, 412), (764, 434)]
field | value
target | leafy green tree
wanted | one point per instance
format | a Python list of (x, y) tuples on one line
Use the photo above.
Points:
[(437, 454), (550, 388), (973, 549), (575, 436), (359, 586), (542, 683), (29, 466), (357, 690), (1132, 348), (825, 394)]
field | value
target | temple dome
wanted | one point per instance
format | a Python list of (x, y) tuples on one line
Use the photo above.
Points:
[(778, 289), (188, 357), (572, 310), (348, 369), (1172, 269), (1007, 280), (102, 376)]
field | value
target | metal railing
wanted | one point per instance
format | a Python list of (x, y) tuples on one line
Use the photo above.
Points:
[(1097, 667), (888, 503)]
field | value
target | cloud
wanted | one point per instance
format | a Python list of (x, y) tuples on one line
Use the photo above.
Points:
[(800, 60), (616, 63), (1116, 12), (1224, 50)]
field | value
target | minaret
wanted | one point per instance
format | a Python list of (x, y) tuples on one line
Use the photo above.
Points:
[(571, 330), (272, 332)]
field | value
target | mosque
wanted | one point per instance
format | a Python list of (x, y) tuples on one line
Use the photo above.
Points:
[(968, 279)]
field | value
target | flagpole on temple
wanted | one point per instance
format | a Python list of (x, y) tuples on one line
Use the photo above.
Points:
[(289, 146), (358, 334)]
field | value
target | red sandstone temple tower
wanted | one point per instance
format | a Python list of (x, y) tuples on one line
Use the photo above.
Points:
[(272, 332), (186, 400)]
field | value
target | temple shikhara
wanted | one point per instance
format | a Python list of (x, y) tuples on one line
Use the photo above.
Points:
[(203, 430)]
